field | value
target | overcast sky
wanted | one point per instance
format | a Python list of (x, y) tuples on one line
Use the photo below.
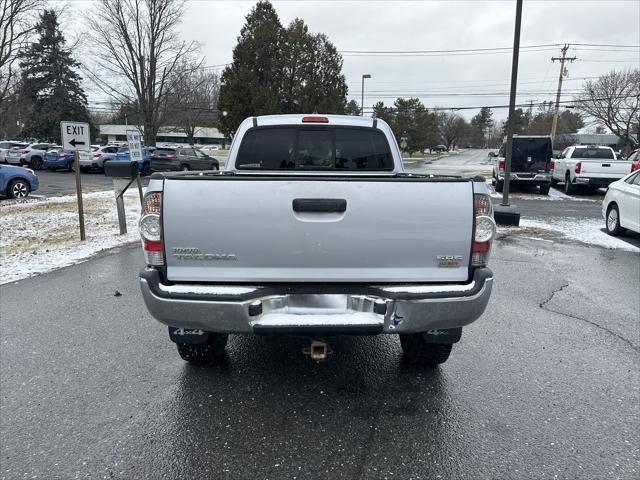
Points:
[(446, 25)]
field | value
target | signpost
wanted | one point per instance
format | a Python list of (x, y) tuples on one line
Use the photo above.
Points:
[(135, 152), (76, 135)]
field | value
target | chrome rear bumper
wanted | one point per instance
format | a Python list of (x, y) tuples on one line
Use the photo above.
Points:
[(317, 309)]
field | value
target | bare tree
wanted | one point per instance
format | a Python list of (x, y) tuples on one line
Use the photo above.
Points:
[(614, 101), (17, 22), (193, 100), (138, 53), (452, 127)]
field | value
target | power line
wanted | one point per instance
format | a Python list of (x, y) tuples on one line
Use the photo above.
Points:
[(457, 50)]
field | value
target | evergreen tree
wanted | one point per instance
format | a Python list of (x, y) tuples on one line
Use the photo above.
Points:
[(352, 108), (278, 70), (480, 126), (409, 118), (50, 89), (520, 123), (384, 113), (251, 84)]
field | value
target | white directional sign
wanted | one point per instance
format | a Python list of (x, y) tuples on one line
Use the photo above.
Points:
[(76, 135), (135, 145)]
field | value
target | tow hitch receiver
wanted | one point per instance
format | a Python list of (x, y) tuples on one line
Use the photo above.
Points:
[(318, 351)]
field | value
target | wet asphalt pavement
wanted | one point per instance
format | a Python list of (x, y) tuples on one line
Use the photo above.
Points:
[(545, 385)]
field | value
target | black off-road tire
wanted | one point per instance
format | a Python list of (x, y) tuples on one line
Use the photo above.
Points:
[(499, 185), (418, 352), (207, 353), (36, 163), (544, 188)]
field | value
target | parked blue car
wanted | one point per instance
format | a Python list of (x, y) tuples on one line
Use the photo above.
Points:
[(17, 182), (145, 166), (63, 158)]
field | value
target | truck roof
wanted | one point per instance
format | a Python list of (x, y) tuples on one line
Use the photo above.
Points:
[(313, 118)]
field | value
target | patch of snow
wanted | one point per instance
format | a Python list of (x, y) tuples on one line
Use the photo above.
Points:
[(39, 235), (206, 289), (583, 230)]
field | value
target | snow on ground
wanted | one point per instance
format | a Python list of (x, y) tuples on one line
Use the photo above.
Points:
[(589, 231), (42, 234)]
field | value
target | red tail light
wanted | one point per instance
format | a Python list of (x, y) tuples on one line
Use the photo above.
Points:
[(635, 166), (501, 164), (552, 165), (578, 167), (315, 120), (151, 229), (171, 157), (97, 154), (64, 155), (25, 151), (484, 229)]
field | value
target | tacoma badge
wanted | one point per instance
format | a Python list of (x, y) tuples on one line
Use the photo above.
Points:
[(182, 253), (448, 261)]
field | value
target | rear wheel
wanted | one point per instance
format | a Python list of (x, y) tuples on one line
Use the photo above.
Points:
[(146, 168), (613, 221), (554, 182), (184, 168), (204, 353), (418, 352), (544, 188), (499, 185), (18, 189), (36, 163), (569, 188)]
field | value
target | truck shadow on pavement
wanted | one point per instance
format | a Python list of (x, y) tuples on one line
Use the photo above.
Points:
[(280, 414)]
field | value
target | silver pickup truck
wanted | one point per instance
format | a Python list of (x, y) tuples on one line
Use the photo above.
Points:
[(315, 229)]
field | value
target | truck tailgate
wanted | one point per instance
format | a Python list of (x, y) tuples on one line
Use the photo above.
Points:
[(316, 229), (605, 168)]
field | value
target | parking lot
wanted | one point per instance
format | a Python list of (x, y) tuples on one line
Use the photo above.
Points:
[(544, 385)]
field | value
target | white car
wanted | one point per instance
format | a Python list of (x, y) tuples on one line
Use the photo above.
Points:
[(621, 205), (5, 146)]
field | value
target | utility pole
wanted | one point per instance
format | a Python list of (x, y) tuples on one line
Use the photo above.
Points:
[(562, 59), (512, 106)]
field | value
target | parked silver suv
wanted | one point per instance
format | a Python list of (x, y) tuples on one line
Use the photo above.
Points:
[(32, 155)]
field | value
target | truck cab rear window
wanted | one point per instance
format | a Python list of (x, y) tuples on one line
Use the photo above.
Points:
[(604, 153), (314, 148)]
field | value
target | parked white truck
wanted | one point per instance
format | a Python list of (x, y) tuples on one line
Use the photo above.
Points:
[(315, 229), (588, 166)]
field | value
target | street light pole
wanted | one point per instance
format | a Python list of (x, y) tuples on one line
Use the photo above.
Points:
[(512, 104), (366, 75)]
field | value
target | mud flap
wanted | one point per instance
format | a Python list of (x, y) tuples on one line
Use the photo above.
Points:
[(188, 335), (446, 336)]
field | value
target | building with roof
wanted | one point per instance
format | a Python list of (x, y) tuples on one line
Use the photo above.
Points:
[(167, 134), (604, 139)]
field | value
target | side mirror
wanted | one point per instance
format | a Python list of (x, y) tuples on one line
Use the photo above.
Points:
[(558, 156)]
